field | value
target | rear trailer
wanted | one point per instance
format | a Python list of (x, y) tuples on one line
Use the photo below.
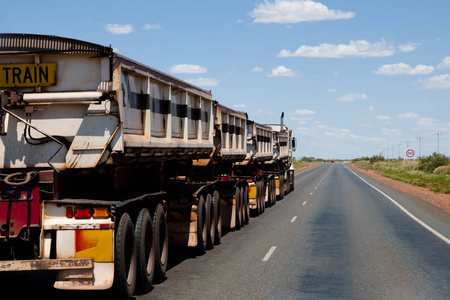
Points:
[(104, 161)]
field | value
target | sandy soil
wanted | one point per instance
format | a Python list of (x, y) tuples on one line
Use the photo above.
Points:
[(440, 200)]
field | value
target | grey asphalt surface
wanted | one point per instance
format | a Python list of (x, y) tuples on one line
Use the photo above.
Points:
[(334, 237)]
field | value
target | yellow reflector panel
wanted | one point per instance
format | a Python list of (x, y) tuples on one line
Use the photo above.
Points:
[(95, 243)]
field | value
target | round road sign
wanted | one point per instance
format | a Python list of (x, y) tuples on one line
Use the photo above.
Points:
[(410, 153)]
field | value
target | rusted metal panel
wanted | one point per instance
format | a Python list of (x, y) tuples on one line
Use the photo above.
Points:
[(46, 264)]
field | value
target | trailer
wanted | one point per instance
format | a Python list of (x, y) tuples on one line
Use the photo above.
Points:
[(105, 161)]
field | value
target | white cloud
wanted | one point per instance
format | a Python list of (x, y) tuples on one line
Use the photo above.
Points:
[(404, 69), (119, 29), (427, 122), (391, 132), (408, 115), (294, 11), (361, 48), (151, 27), (352, 97), (187, 69), (240, 106), (282, 71), (408, 47), (332, 90), (437, 82), (383, 118), (371, 108), (257, 69), (444, 64), (261, 112), (204, 81), (304, 112)]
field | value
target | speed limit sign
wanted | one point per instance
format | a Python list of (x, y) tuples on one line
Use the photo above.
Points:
[(410, 153)]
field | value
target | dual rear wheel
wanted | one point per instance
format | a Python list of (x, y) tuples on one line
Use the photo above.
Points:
[(141, 251)]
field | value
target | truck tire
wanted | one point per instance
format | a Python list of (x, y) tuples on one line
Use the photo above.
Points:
[(145, 250), (237, 208), (246, 205), (211, 231), (281, 187), (269, 193), (274, 191), (288, 182), (202, 230), (262, 196), (161, 242), (217, 217), (242, 207), (292, 181), (125, 262)]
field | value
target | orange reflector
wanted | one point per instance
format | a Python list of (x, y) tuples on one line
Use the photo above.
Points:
[(101, 212)]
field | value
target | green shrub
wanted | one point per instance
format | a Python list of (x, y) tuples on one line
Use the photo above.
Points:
[(431, 162), (376, 158)]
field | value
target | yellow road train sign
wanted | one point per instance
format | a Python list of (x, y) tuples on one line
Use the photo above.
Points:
[(27, 75)]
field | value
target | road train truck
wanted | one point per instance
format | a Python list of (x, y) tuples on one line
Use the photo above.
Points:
[(105, 161)]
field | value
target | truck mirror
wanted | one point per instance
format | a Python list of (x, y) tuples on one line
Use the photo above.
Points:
[(293, 144)]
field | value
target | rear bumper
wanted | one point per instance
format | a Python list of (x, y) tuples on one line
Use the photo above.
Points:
[(47, 264)]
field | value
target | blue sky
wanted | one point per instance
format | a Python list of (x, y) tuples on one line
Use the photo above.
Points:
[(354, 78)]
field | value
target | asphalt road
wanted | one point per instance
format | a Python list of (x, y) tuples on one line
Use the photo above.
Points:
[(338, 235)]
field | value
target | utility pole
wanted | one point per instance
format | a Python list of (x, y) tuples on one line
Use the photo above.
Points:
[(419, 138), (438, 134), (399, 145)]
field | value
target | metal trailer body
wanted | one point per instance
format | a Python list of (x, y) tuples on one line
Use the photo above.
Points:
[(105, 160)]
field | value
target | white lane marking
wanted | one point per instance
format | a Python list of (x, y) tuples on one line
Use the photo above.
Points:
[(311, 193), (304, 203), (272, 249), (293, 219), (315, 188), (439, 235)]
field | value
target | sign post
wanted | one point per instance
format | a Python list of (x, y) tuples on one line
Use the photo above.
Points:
[(410, 153)]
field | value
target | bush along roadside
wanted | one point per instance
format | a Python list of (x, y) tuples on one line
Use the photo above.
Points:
[(432, 172)]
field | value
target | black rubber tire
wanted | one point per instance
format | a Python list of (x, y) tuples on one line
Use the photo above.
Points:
[(161, 243), (211, 232), (217, 218), (262, 196), (257, 211), (125, 262), (292, 181), (288, 182), (237, 208), (269, 195), (281, 187), (274, 191), (246, 205), (145, 251), (201, 226), (242, 207)]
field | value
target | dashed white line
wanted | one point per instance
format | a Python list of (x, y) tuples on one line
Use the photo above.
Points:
[(293, 219), (439, 235), (304, 203), (311, 193), (272, 249)]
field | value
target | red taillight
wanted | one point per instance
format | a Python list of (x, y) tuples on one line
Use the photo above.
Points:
[(69, 212), (87, 212), (81, 212)]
